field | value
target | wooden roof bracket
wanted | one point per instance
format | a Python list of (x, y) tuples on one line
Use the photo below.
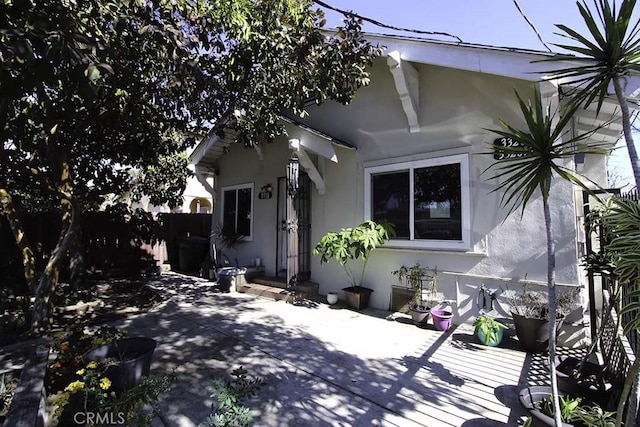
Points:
[(407, 82)]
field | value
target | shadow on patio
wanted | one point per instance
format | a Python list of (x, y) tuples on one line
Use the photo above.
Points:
[(326, 366)]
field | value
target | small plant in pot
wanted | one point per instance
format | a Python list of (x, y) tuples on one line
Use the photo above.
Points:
[(350, 245), (423, 282), (574, 411), (488, 330), (530, 312)]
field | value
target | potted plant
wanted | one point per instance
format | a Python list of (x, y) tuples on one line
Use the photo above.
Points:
[(488, 330), (351, 244), (538, 402), (126, 360), (530, 312), (423, 282)]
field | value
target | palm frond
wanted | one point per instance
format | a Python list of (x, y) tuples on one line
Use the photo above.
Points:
[(539, 152), (610, 49)]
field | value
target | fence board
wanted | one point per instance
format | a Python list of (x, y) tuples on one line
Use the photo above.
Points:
[(107, 238)]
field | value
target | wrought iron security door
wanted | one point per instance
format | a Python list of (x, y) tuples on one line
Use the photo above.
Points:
[(297, 223)]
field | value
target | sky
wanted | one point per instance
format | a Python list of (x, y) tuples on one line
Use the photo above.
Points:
[(489, 22)]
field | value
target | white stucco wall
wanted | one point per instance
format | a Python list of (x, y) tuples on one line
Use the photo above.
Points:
[(455, 108)]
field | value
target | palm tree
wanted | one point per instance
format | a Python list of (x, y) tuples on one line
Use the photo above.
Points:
[(531, 165), (611, 53)]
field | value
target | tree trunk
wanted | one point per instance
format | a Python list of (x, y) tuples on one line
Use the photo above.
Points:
[(626, 129), (77, 264), (28, 259), (43, 306), (551, 283)]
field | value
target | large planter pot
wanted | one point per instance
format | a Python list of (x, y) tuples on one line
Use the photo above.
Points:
[(533, 334), (357, 297), (132, 360), (529, 397), (494, 340), (588, 386), (420, 316), (441, 319)]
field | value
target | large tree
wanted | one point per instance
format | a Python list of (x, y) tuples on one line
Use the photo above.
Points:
[(606, 56), (90, 89)]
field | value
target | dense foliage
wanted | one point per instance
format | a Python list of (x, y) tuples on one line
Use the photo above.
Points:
[(90, 89)]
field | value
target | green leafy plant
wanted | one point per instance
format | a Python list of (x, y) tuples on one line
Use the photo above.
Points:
[(351, 244), (228, 410), (415, 277), (529, 167), (569, 407), (605, 54), (68, 348), (489, 327), (147, 392), (571, 411), (621, 219), (535, 304), (595, 416)]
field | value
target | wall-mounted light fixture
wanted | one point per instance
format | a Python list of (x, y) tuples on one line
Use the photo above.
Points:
[(266, 192)]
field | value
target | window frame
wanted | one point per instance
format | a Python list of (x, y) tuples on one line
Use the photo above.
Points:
[(235, 188), (465, 189)]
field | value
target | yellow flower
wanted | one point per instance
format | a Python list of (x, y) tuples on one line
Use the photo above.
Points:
[(96, 341), (105, 383), (60, 400), (92, 365), (74, 386), (80, 372)]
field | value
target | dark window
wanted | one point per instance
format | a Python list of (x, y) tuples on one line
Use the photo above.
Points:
[(423, 199), (437, 203), (390, 199), (236, 214)]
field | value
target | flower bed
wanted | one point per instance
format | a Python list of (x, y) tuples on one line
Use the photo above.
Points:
[(76, 385)]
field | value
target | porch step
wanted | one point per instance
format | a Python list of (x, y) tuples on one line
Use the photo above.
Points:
[(274, 288)]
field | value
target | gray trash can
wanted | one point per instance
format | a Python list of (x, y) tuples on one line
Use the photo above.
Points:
[(227, 277), (191, 252)]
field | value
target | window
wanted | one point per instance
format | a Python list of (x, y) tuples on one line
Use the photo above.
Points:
[(427, 201), (237, 210)]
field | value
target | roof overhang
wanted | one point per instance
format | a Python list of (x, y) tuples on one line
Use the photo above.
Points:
[(211, 148)]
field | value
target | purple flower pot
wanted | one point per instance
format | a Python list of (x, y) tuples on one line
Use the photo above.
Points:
[(441, 319)]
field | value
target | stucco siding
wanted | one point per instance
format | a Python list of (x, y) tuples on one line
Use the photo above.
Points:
[(456, 107)]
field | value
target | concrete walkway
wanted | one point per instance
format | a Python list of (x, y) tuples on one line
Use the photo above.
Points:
[(325, 365)]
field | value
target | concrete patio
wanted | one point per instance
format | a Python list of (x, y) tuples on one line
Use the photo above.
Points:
[(324, 365)]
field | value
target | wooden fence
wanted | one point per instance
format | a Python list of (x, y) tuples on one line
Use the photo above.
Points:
[(110, 241)]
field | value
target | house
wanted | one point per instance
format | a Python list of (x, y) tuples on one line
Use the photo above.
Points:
[(411, 148)]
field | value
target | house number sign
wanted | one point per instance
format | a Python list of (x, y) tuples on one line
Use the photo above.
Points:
[(500, 154)]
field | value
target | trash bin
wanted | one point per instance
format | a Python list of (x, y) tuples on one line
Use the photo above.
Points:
[(191, 252), (227, 277)]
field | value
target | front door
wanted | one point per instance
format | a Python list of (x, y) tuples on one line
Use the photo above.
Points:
[(282, 236), (294, 225)]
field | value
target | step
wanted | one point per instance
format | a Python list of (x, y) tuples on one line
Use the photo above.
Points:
[(276, 289)]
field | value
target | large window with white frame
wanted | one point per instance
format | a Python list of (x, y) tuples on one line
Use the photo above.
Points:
[(237, 210), (427, 201)]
